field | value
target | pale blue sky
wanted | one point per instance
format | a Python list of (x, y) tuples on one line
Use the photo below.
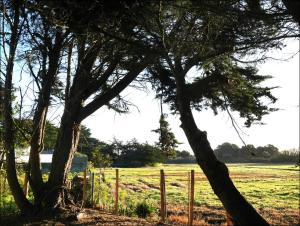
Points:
[(281, 129)]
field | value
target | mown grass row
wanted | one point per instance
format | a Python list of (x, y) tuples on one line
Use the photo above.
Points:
[(275, 186)]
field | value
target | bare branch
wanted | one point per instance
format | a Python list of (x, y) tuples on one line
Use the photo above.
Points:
[(109, 95)]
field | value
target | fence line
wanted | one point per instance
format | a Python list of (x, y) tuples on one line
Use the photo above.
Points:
[(92, 179), (191, 199), (117, 191), (163, 205), (190, 178), (26, 187), (84, 195)]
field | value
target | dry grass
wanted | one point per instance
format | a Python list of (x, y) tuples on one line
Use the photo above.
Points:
[(272, 189)]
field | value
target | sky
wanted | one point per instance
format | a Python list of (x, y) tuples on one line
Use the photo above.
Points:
[(281, 128)]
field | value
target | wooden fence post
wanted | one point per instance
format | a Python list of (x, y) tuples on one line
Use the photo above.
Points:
[(4, 183), (84, 191), (1, 190), (99, 188), (93, 175), (163, 205), (189, 195), (228, 219), (191, 200), (117, 191), (25, 189)]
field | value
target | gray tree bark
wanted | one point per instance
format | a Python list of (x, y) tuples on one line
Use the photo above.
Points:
[(217, 173), (8, 136)]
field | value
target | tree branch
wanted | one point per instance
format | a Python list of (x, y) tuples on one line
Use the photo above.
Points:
[(113, 92), (95, 84)]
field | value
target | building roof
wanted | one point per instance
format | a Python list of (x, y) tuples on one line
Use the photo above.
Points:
[(44, 158)]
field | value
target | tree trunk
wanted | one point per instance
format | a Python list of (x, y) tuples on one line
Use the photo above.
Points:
[(74, 113), (36, 146), (16, 190), (217, 173), (63, 154), (40, 117), (1, 157)]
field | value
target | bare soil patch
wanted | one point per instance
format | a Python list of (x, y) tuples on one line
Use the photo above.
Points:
[(88, 217), (177, 216), (151, 186)]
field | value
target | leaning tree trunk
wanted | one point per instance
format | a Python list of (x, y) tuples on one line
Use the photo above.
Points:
[(74, 113), (34, 173), (8, 135), (40, 117), (12, 178), (63, 155), (216, 172)]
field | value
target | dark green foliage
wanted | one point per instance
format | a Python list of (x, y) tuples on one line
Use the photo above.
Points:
[(144, 210), (24, 131), (101, 160), (167, 141), (135, 154), (222, 85), (88, 144), (232, 153), (222, 79), (182, 157), (79, 162), (51, 132), (287, 156), (117, 153), (228, 152)]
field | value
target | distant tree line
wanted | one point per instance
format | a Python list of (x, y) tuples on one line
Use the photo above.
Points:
[(116, 153), (228, 152), (129, 154), (135, 154)]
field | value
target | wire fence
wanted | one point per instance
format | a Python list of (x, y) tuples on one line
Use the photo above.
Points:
[(116, 191), (172, 195), (119, 192)]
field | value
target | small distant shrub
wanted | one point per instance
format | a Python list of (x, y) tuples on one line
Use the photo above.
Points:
[(127, 210), (154, 164), (143, 210)]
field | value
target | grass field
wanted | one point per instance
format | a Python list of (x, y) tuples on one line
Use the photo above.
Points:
[(272, 189)]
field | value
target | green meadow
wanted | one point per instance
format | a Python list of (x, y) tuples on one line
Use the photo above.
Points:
[(273, 189)]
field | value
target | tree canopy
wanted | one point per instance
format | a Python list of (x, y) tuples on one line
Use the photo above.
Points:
[(82, 55)]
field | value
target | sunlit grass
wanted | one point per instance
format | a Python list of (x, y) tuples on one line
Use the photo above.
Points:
[(262, 184), (272, 189)]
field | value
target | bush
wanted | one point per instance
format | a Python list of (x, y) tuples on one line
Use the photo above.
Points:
[(143, 209)]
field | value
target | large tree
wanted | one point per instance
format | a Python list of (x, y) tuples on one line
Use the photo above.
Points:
[(104, 67), (14, 23), (115, 41), (214, 38), (43, 59), (1, 120), (224, 79)]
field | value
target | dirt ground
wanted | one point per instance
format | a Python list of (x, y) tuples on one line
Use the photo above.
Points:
[(91, 217), (87, 217)]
